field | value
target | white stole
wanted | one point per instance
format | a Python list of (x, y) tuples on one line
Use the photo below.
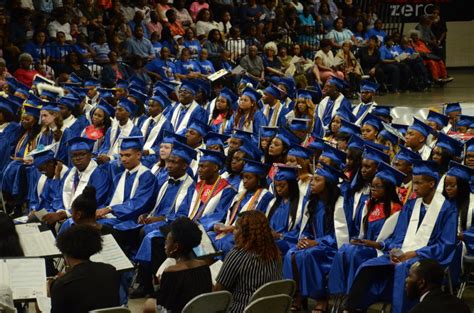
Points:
[(115, 142), (119, 191), (180, 195), (40, 185), (68, 194), (418, 237), (69, 121), (340, 223), (470, 211), (184, 122), (356, 110), (154, 132), (322, 107)]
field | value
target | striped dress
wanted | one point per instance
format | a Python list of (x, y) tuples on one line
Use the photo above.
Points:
[(242, 273)]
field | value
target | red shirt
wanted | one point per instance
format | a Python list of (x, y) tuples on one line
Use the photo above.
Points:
[(25, 76), (378, 212)]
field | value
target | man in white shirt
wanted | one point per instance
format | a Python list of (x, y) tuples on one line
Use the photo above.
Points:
[(60, 24)]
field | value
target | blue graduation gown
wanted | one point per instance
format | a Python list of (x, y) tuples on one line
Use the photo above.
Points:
[(279, 222), (99, 179), (441, 247), (78, 126), (8, 140), (349, 257), (107, 145), (46, 198), (133, 205), (226, 243), (468, 234), (152, 158), (198, 113), (258, 121), (313, 263), (62, 149), (220, 211)]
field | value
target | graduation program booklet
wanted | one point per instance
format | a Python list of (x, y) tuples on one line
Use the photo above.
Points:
[(25, 276), (41, 244), (112, 254)]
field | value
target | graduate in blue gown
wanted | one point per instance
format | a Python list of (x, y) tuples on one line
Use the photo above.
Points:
[(68, 105), (187, 109), (53, 132), (14, 182), (246, 151), (225, 105), (85, 172), (379, 217), (469, 159), (334, 99), (420, 233), (309, 260), (253, 196), (248, 116), (123, 127), (9, 131), (274, 111), (285, 210), (137, 96), (134, 190), (153, 129), (49, 172), (368, 90)]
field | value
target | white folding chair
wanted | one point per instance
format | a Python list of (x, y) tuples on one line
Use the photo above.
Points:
[(212, 302), (274, 304), (278, 287), (117, 309)]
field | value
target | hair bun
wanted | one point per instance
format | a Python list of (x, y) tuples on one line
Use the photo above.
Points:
[(89, 192)]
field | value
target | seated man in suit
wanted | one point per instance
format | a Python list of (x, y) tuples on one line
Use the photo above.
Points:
[(424, 283)]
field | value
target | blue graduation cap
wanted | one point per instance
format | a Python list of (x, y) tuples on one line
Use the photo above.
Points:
[(51, 106), (92, 82), (246, 80), (377, 146), (470, 145), (132, 142), (349, 128), (79, 91), (268, 131), (184, 152), (336, 81), (74, 78), (138, 84), (389, 136), (299, 124), (50, 94), (287, 137), (308, 94), (368, 86), (200, 127), (8, 105), (80, 143), (285, 172), (69, 101), (32, 111), (449, 143), (16, 100), (128, 105), (42, 154), (459, 171), (250, 150), (106, 107), (452, 107), (204, 86), (255, 167), (289, 84), (213, 139), (372, 120), (161, 99), (252, 93), (371, 153), (165, 87), (382, 110), (338, 156), (426, 168), (229, 95), (137, 94), (420, 127), (171, 138), (356, 142), (402, 129), (345, 114), (189, 86), (212, 156), (388, 173), (121, 83), (273, 91), (440, 119), (465, 121), (300, 152), (407, 155), (105, 92), (317, 144), (242, 135), (328, 172)]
